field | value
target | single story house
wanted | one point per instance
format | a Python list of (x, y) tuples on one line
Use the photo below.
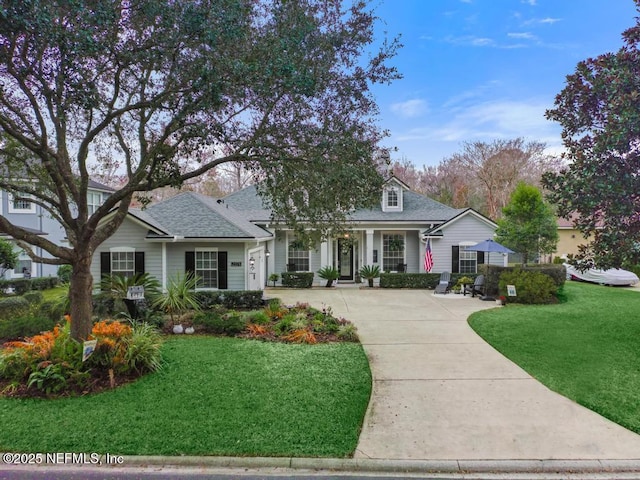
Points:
[(233, 243)]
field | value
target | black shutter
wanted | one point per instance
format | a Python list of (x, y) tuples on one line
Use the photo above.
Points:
[(455, 259), (190, 263), (479, 259), (222, 271), (139, 262), (105, 263)]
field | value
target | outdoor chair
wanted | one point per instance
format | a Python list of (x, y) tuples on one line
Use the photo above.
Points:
[(444, 284), (476, 287), (402, 268), (291, 267)]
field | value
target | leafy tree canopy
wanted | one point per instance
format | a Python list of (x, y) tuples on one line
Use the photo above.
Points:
[(599, 110), (166, 90), (528, 225)]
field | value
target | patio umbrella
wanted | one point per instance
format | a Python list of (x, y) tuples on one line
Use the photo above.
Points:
[(489, 246)]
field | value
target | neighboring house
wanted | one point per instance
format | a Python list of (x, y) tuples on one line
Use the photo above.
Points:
[(233, 242), (26, 214), (569, 238)]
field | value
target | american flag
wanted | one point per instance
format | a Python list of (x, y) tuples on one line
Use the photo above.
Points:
[(428, 257)]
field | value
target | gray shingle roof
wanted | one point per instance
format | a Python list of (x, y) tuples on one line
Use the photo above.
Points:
[(416, 208), (192, 215)]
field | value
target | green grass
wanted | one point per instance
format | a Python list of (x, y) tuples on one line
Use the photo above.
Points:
[(214, 396), (54, 294), (586, 348)]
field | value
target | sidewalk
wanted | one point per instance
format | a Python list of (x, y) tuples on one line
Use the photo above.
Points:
[(441, 393)]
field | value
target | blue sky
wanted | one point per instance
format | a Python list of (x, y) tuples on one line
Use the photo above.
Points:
[(486, 69)]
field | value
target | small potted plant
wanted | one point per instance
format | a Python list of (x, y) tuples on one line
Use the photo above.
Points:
[(501, 300), (330, 274), (370, 272), (274, 277)]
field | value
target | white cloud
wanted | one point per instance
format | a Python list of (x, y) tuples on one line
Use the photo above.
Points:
[(541, 21), (487, 121), (533, 3), (522, 35), (410, 108)]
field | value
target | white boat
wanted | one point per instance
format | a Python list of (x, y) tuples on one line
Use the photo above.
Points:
[(612, 276)]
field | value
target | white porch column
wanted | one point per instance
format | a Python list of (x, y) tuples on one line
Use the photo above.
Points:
[(369, 247), (164, 266), (325, 254)]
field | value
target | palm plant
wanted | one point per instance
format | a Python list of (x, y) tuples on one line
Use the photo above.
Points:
[(330, 274), (180, 296), (370, 272)]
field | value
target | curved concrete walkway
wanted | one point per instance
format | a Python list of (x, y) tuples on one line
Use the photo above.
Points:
[(440, 392)]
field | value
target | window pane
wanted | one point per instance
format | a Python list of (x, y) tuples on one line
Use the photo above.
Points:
[(468, 260), (298, 257), (392, 251), (123, 263), (207, 269)]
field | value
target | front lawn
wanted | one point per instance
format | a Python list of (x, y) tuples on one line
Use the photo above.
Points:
[(214, 396), (587, 348)]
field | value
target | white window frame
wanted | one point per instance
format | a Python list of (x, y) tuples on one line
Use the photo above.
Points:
[(1, 201), (383, 255), (290, 240), (386, 206), (462, 251), (217, 269), (22, 257), (120, 250), (92, 206), (13, 209)]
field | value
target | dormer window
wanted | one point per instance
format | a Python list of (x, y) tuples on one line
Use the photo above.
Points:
[(392, 198)]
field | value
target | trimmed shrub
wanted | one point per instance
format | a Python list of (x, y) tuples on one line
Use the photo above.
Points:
[(52, 310), (212, 321), (409, 280), (27, 326), (493, 273), (297, 279), (245, 299), (13, 307), (531, 287), (33, 297)]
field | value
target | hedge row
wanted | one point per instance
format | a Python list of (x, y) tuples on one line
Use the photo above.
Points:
[(418, 280), (231, 299), (22, 285), (297, 279)]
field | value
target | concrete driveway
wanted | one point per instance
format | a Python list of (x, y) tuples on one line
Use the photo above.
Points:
[(441, 393)]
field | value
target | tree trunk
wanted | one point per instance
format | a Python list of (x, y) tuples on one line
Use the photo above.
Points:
[(80, 289)]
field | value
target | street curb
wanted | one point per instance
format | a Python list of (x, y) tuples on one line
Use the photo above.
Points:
[(384, 465)]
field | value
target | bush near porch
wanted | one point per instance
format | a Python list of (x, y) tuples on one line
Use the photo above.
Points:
[(297, 279), (418, 280), (492, 274)]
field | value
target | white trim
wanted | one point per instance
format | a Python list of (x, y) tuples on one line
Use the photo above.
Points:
[(1, 201), (11, 208), (122, 249), (164, 266), (467, 244)]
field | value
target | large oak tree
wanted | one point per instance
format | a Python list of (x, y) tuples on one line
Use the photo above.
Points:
[(167, 90), (599, 111)]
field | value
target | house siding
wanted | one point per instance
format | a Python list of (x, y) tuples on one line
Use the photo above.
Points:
[(132, 235), (236, 276), (466, 229)]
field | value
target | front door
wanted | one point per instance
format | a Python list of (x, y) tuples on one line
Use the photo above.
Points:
[(345, 259)]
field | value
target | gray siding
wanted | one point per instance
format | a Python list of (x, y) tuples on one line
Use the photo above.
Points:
[(131, 234), (235, 253), (466, 229)]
